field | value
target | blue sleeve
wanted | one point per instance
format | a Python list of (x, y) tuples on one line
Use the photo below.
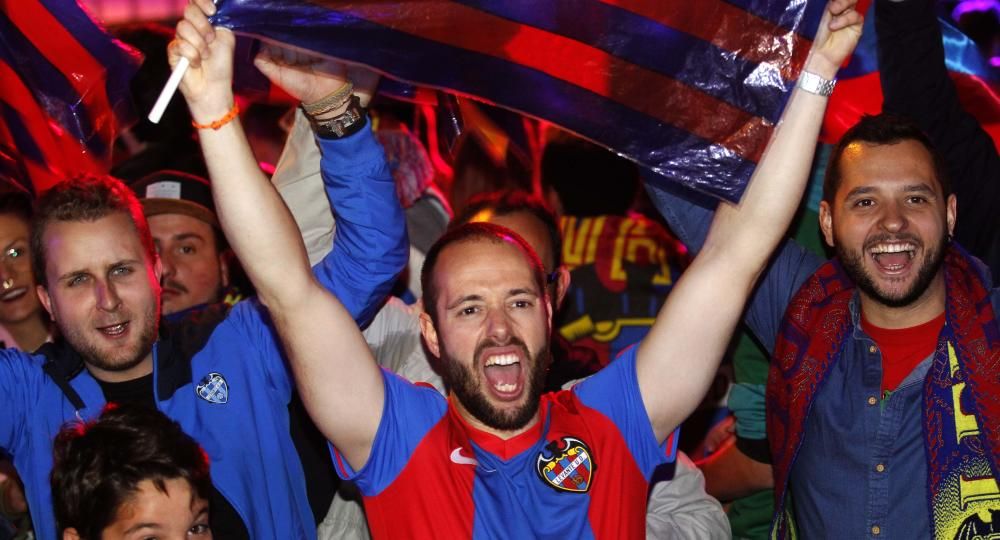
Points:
[(614, 392), (20, 378), (788, 269), (409, 412), (369, 246)]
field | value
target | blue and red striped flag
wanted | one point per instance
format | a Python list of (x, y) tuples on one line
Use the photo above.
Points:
[(859, 90), (65, 88), (690, 89)]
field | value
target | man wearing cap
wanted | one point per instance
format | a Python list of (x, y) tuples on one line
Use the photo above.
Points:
[(186, 232), (220, 373)]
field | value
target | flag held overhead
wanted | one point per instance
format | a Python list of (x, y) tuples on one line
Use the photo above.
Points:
[(690, 90)]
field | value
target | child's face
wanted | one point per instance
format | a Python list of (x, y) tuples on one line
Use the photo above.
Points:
[(178, 514)]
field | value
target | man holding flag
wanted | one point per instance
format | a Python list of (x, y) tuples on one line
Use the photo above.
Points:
[(882, 393), (219, 373), (496, 458)]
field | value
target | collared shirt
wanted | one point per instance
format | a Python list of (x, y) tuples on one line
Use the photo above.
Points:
[(837, 488), (222, 375), (878, 473)]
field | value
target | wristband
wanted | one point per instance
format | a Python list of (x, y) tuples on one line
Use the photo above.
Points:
[(334, 100), (216, 124)]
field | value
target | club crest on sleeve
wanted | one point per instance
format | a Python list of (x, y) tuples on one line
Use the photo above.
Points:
[(568, 466), (213, 388)]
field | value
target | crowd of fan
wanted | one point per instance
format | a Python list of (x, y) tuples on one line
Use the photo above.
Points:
[(219, 337)]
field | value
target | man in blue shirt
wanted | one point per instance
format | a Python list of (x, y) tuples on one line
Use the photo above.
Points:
[(879, 397), (220, 373)]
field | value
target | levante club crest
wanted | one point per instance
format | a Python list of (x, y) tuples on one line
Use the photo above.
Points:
[(569, 466)]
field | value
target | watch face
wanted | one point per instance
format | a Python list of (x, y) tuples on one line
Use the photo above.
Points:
[(351, 121)]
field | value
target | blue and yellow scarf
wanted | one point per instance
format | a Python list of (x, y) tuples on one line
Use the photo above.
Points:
[(961, 421)]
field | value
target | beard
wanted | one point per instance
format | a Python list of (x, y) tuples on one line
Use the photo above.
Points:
[(853, 262), (124, 360), (461, 380)]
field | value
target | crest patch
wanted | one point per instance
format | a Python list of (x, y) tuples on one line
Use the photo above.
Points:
[(568, 466), (213, 388)]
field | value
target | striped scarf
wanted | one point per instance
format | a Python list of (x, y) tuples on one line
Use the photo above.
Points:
[(961, 420)]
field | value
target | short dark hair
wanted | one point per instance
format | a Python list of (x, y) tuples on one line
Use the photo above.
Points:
[(15, 199), (473, 232), (505, 203), (85, 198), (16, 204), (590, 180), (98, 465), (881, 129)]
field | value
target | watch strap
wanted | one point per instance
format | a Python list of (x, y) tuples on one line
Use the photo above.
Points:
[(343, 125), (814, 84)]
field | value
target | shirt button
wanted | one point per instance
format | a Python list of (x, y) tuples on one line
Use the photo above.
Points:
[(876, 530), (873, 349), (872, 400), (880, 468)]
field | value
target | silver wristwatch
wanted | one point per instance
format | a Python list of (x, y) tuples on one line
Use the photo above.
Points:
[(814, 84)]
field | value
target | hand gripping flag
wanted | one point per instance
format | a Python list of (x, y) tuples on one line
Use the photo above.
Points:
[(64, 91), (691, 90)]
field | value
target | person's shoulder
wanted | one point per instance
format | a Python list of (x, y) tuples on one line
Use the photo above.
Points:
[(184, 335), (195, 324), (10, 354), (58, 362)]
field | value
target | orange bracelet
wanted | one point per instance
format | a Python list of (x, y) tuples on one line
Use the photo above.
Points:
[(216, 124)]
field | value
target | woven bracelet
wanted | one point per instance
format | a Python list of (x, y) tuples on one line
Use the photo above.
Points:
[(216, 124), (333, 101)]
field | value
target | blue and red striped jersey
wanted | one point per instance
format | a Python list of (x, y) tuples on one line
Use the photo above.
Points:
[(582, 471)]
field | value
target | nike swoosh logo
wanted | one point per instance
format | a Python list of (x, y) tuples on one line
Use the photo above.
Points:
[(457, 457)]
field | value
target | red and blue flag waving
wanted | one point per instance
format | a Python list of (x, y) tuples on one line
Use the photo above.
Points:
[(65, 89), (688, 89)]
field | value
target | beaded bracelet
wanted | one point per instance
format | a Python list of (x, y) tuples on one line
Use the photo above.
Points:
[(333, 101), (216, 124)]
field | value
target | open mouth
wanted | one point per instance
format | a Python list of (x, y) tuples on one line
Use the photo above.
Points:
[(503, 374), (114, 330), (893, 257)]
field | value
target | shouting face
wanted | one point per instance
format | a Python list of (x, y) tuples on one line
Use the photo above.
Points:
[(492, 332), (889, 222)]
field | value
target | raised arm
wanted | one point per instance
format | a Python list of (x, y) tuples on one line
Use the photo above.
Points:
[(678, 358), (916, 84), (336, 375)]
